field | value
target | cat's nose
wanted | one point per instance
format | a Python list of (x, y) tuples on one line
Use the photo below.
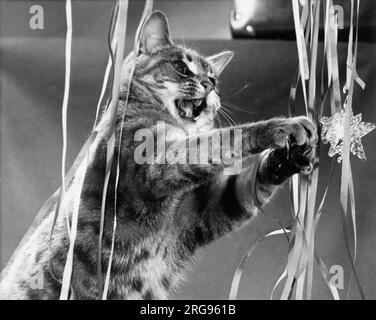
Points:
[(207, 85)]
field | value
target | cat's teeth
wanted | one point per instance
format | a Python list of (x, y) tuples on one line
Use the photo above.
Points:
[(187, 107), (197, 102)]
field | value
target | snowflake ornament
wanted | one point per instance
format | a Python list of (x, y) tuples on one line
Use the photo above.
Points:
[(332, 132)]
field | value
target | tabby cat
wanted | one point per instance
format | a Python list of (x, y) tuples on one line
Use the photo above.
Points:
[(168, 210)]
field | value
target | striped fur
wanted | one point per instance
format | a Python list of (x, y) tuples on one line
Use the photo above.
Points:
[(166, 212)]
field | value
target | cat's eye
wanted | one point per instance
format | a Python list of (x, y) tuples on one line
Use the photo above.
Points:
[(181, 67)]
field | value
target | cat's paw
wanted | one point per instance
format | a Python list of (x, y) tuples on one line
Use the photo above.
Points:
[(297, 131), (285, 162), (300, 158)]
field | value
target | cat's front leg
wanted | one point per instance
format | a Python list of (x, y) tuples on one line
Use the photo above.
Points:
[(288, 147), (256, 184), (226, 202), (278, 133)]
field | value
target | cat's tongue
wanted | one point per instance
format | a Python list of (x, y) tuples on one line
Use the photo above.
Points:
[(187, 106)]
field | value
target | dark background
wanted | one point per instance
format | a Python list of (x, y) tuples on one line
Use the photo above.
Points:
[(31, 88)]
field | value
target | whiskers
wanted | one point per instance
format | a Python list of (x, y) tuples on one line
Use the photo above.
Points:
[(235, 93), (228, 116), (228, 113), (235, 107)]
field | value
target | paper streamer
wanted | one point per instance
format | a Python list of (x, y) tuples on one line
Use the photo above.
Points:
[(239, 270), (68, 52), (346, 177), (67, 274), (301, 45), (68, 49), (110, 146), (113, 39)]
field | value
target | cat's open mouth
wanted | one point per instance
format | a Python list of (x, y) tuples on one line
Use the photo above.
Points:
[(190, 109)]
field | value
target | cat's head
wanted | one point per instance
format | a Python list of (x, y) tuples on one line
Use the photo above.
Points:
[(183, 81)]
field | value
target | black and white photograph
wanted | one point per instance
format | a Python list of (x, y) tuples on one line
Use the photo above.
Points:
[(201, 151)]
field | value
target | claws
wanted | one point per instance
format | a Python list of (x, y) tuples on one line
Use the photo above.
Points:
[(307, 150), (307, 169), (300, 157), (288, 147), (297, 137)]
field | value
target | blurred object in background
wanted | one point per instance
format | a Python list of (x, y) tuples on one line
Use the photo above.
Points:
[(273, 19)]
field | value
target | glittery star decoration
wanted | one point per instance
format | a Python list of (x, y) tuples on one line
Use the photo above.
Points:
[(333, 131)]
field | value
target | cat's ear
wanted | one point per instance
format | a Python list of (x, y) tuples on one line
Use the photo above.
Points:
[(155, 32), (220, 61)]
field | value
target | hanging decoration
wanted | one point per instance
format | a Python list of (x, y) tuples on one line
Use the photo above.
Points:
[(332, 132)]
